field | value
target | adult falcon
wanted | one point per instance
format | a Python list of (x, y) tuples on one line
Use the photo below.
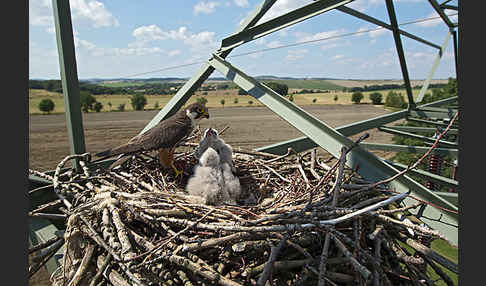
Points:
[(164, 136)]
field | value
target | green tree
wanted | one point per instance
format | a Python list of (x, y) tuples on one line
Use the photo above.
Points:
[(449, 90), (314, 100), (396, 100), (250, 102), (235, 101), (202, 100), (97, 106), (46, 105), (138, 101), (156, 105), (376, 97), (280, 88), (357, 96), (336, 98), (121, 107), (291, 98), (222, 101), (87, 100), (109, 105)]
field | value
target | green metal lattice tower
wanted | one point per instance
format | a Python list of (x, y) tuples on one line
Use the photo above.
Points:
[(316, 132)]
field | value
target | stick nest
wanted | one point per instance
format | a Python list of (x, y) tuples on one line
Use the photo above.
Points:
[(300, 220)]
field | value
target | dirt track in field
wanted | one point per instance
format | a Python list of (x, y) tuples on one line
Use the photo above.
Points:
[(249, 127)]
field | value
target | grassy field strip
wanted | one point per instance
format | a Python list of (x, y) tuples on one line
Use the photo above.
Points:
[(214, 99)]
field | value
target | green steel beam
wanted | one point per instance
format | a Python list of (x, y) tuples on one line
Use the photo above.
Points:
[(425, 86), (453, 198), (420, 137), (409, 149), (427, 175), (302, 144), (187, 90), (69, 77), (280, 22), (448, 110), (368, 165), (451, 7), (419, 120), (441, 13), (377, 22), (41, 230), (454, 40), (451, 131), (181, 97), (430, 114), (401, 54)]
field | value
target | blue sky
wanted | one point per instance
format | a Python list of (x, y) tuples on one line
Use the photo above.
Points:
[(123, 38)]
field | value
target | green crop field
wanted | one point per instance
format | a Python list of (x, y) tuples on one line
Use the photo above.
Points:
[(214, 99), (309, 84)]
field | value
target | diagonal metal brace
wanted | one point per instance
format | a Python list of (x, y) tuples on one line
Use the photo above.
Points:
[(369, 166), (278, 23)]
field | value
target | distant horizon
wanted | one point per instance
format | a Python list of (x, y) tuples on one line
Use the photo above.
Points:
[(257, 77)]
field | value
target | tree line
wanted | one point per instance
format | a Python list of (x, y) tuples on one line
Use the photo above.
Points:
[(390, 86), (96, 89)]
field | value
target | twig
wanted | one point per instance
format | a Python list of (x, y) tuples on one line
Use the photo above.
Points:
[(101, 269), (269, 265), (112, 275), (205, 272), (44, 244), (431, 254), (96, 237), (157, 247), (46, 256), (78, 276), (365, 273)]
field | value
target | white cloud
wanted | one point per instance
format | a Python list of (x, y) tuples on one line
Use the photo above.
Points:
[(293, 55), (40, 13), (329, 46), (431, 23), (205, 7), (281, 7), (260, 41), (305, 37), (338, 57), (145, 34), (83, 12), (274, 44), (438, 20), (377, 33), (149, 33), (93, 12), (174, 53), (241, 3), (363, 5), (83, 46)]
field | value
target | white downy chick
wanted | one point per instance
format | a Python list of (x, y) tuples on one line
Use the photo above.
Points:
[(231, 182), (211, 139), (207, 181)]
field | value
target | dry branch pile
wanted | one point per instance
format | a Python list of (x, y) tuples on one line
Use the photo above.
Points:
[(299, 221)]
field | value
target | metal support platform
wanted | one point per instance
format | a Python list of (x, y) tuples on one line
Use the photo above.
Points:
[(316, 133)]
